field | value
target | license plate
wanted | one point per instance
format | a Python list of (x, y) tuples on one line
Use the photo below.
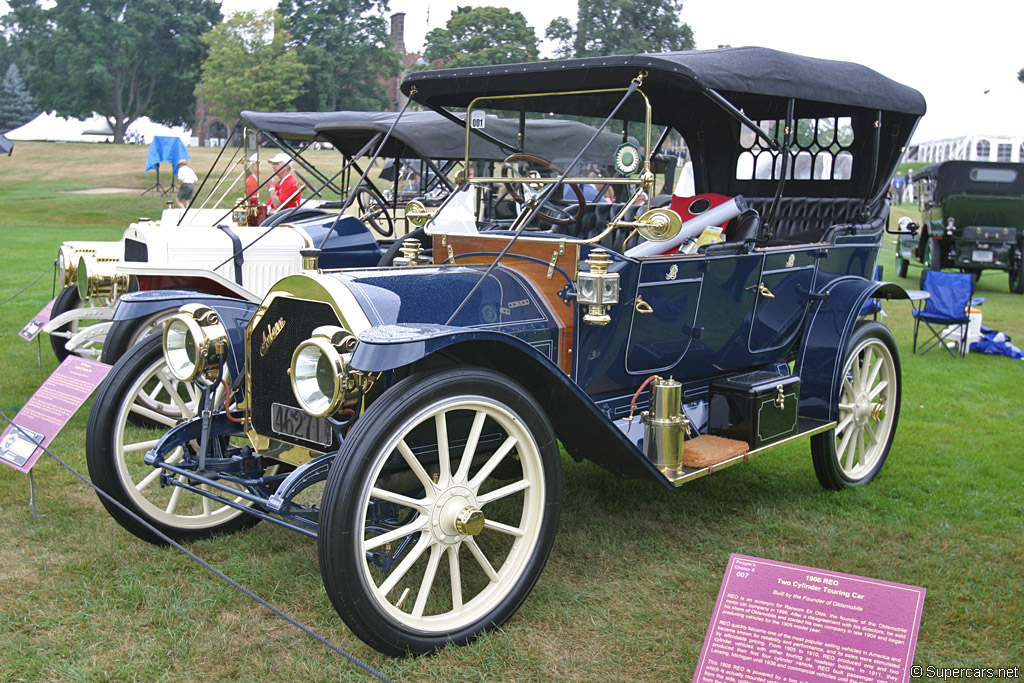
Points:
[(982, 256), (296, 423)]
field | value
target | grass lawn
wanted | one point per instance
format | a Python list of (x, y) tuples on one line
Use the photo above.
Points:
[(632, 579)]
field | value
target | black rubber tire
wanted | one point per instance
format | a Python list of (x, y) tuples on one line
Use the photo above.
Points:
[(124, 334), (901, 266), (104, 438), (824, 448), (67, 300), (1016, 274), (346, 565), (933, 254)]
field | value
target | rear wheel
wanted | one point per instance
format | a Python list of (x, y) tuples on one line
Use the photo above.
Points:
[(1017, 272), (933, 254), (869, 408), (440, 511), (68, 300), (140, 385), (901, 266)]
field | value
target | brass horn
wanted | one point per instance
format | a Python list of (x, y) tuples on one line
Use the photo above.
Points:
[(417, 214)]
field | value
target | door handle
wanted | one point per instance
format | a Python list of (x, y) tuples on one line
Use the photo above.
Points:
[(762, 290), (642, 306)]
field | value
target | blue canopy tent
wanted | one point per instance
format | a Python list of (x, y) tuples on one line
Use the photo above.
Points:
[(164, 148)]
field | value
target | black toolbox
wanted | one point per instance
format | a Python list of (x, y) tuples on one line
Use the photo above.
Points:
[(758, 407)]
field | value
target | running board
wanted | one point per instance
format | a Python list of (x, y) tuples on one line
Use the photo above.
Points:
[(808, 427)]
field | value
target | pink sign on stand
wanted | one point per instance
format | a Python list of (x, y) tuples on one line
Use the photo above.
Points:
[(31, 329), (783, 623), (49, 409)]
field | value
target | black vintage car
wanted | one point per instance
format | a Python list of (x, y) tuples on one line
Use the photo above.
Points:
[(972, 218), (411, 418)]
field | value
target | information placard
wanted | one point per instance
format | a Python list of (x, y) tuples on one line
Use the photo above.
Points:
[(49, 409), (31, 329), (776, 622)]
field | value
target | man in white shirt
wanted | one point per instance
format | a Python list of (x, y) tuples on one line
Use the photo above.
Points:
[(188, 179)]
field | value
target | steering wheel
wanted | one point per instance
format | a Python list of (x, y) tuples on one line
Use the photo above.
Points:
[(374, 211), (523, 193)]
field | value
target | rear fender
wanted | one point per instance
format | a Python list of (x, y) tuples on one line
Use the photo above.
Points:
[(583, 428), (831, 321), (234, 316)]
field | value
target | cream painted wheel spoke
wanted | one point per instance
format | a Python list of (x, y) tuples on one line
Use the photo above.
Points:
[(399, 499), (392, 536), (481, 560), (404, 566), (414, 464), (154, 416), (174, 457), (140, 446), (492, 462), (428, 580), (498, 494), (172, 394), (881, 386), (455, 574), (444, 460), (503, 528), (471, 443), (844, 422), (172, 505)]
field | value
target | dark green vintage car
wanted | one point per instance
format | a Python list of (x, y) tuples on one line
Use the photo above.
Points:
[(972, 218)]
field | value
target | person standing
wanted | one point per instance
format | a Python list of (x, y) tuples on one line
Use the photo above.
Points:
[(255, 212), (188, 179), (898, 184), (284, 194), (908, 191)]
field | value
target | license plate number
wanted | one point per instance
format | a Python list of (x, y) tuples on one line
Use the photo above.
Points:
[(982, 256), (296, 423)]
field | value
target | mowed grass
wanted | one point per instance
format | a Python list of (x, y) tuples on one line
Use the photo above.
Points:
[(629, 588)]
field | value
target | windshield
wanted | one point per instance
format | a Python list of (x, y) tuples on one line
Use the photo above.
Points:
[(519, 147)]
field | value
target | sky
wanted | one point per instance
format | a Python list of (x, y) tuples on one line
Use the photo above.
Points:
[(962, 56)]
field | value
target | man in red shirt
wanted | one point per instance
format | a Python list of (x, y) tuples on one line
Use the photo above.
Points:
[(284, 194)]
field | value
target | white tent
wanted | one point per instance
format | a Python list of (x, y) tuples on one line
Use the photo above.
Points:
[(53, 128)]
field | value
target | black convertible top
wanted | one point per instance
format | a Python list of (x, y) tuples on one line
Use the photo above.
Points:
[(295, 125), (729, 71), (976, 177), (428, 135)]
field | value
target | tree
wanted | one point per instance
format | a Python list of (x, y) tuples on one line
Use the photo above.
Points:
[(346, 46), (16, 105), (1020, 75), (609, 27), (482, 35), (250, 66), (122, 59)]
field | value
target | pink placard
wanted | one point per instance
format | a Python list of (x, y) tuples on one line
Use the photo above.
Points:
[(49, 409), (31, 329), (776, 622)]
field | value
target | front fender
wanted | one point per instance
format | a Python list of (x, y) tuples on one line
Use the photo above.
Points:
[(583, 428), (234, 315), (819, 362)]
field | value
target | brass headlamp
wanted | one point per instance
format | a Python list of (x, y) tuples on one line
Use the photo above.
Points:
[(99, 278), (67, 266), (321, 378), (194, 343), (597, 289)]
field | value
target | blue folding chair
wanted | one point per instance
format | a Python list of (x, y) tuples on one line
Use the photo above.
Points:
[(950, 297)]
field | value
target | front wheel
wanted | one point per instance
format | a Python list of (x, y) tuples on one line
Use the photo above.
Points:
[(901, 266), (869, 408), (440, 510), (140, 385), (933, 254)]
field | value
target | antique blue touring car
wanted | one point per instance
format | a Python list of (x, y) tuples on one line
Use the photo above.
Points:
[(409, 417)]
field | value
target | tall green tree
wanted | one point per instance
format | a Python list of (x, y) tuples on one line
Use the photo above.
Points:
[(16, 105), (250, 66), (346, 44), (482, 35), (122, 59), (611, 27)]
